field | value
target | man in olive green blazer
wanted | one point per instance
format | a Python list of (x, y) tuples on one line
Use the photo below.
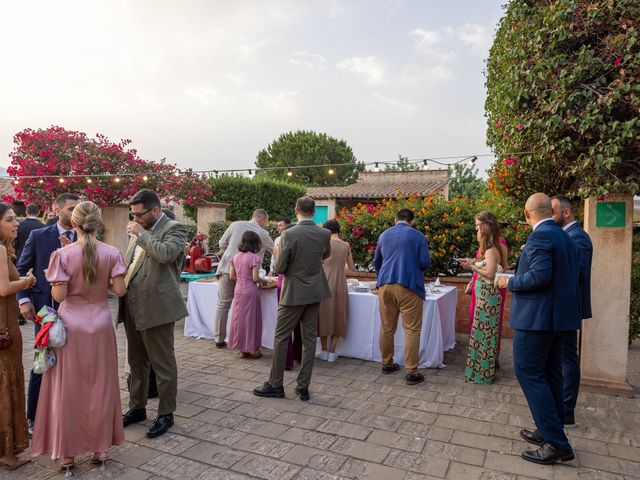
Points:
[(302, 250), (151, 306)]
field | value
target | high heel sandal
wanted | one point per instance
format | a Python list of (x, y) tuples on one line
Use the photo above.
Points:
[(100, 459), (67, 467)]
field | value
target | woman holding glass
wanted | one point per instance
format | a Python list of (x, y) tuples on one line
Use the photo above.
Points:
[(485, 331)]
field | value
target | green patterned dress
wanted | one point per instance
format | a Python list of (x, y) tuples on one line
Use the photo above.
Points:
[(483, 343)]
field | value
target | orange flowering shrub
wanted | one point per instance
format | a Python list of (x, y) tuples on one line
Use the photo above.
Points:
[(449, 226)]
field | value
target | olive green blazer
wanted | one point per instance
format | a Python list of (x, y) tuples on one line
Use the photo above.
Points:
[(302, 250), (153, 293)]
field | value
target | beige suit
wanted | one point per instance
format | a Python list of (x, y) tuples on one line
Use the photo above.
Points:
[(149, 310), (303, 248)]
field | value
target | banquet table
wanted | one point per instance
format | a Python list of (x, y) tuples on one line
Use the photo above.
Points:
[(363, 330)]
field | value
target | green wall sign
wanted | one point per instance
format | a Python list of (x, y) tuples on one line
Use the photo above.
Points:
[(611, 214)]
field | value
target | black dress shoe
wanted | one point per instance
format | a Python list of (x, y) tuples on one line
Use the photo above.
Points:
[(532, 436), (303, 393), (267, 390), (413, 378), (221, 344), (133, 416), (387, 369), (548, 454), (160, 426)]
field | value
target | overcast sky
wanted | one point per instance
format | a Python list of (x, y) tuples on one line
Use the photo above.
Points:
[(207, 84)]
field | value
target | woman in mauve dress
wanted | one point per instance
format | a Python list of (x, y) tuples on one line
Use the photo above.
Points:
[(246, 310), (79, 409)]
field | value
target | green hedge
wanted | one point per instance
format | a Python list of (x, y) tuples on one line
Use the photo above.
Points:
[(217, 229), (245, 195)]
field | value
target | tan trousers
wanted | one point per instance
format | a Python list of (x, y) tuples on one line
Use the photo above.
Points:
[(226, 286), (394, 300)]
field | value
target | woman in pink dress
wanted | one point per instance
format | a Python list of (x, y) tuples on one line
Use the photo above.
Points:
[(489, 218), (246, 319), (79, 408)]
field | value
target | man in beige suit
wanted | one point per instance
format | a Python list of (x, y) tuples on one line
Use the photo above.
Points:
[(229, 243), (302, 250), (151, 306)]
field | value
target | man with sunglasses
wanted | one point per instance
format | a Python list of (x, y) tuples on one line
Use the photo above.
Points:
[(151, 306)]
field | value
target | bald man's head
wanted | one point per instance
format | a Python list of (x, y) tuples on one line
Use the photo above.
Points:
[(538, 207)]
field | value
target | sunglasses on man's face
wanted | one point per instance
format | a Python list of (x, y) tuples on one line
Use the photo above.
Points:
[(133, 215)]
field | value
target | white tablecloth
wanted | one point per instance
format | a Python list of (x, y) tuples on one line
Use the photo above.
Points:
[(363, 331)]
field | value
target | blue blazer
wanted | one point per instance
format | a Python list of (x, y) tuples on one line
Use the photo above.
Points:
[(35, 254), (402, 256), (584, 246), (545, 286)]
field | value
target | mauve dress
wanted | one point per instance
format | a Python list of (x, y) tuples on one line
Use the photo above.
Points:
[(245, 334), (79, 408)]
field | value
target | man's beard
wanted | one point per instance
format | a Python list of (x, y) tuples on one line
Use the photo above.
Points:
[(66, 222)]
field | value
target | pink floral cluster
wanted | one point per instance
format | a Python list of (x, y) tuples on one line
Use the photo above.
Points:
[(49, 155)]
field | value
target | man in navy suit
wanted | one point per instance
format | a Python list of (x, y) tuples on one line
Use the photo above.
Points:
[(402, 256), (563, 216), (545, 309), (26, 226), (35, 255)]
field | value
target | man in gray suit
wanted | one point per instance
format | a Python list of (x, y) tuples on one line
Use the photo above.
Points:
[(151, 306), (303, 248)]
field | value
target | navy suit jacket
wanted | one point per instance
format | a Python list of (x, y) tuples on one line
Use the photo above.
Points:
[(401, 257), (545, 286), (585, 252), (24, 229), (35, 254)]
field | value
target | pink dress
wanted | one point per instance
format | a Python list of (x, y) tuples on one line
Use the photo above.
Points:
[(79, 408), (503, 294), (246, 318)]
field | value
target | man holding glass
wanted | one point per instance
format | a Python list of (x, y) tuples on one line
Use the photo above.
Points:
[(151, 306)]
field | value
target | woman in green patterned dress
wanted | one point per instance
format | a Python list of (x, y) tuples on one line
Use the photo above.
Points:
[(483, 343)]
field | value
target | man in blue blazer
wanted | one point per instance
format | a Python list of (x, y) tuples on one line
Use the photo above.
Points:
[(402, 256), (563, 216), (35, 255), (545, 309)]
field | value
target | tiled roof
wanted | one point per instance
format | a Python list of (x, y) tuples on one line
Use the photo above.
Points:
[(6, 188), (377, 190)]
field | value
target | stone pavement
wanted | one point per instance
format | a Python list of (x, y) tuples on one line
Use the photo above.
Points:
[(358, 425)]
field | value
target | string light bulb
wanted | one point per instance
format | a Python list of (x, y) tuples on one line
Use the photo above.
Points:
[(89, 180), (376, 167), (61, 180), (145, 178), (425, 165), (289, 173), (176, 174), (41, 181), (472, 161), (331, 171), (117, 179)]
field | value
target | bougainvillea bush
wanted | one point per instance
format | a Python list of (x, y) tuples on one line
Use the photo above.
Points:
[(563, 83), (50, 155), (449, 226)]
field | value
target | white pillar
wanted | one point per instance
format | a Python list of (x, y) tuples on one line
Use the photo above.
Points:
[(605, 337)]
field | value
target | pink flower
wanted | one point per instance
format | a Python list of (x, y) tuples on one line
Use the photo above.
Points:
[(519, 126), (511, 161), (617, 62)]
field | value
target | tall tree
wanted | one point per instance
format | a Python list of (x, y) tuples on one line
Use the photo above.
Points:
[(464, 181), (563, 83), (308, 149)]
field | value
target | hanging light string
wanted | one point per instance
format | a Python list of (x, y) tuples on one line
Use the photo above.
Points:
[(117, 177)]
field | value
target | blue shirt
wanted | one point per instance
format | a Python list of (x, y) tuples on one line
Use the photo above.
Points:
[(402, 256)]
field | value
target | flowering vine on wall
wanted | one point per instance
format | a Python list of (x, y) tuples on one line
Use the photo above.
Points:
[(57, 160)]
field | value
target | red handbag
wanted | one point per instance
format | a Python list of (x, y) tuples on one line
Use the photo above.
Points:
[(6, 340)]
